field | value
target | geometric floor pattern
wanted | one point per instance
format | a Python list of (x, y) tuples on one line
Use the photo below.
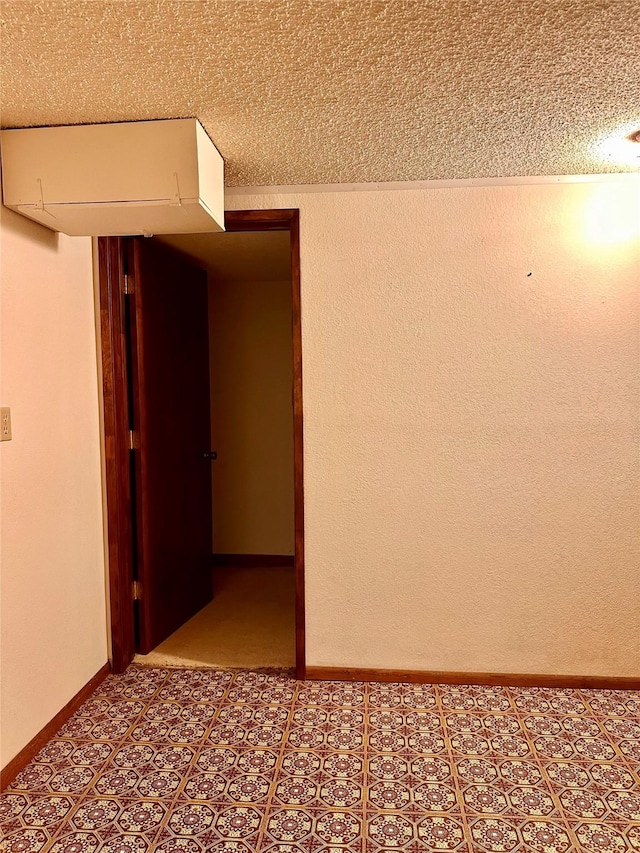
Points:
[(183, 761)]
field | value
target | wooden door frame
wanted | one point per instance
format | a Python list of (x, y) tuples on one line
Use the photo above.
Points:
[(119, 534)]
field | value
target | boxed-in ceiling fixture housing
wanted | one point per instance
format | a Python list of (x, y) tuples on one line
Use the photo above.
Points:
[(143, 177)]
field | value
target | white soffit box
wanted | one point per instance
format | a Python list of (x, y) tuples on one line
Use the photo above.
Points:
[(143, 177)]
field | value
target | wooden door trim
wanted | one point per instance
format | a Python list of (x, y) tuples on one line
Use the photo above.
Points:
[(116, 449), (111, 266)]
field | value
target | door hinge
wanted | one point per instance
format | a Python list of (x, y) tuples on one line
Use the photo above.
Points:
[(137, 591), (133, 440), (127, 284)]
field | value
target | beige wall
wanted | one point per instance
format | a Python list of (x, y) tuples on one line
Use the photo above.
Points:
[(252, 418), (472, 488), (471, 438), (53, 608)]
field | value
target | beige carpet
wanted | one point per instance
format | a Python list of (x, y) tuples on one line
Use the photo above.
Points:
[(249, 623)]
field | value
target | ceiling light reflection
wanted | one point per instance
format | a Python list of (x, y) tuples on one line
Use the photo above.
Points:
[(619, 148)]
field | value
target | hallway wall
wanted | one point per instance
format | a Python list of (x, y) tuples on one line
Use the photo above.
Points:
[(471, 372), (53, 600), (251, 416)]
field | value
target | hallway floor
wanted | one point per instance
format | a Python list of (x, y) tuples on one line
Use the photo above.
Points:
[(250, 623), (183, 761)]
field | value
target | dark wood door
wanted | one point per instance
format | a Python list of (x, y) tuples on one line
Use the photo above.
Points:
[(168, 323)]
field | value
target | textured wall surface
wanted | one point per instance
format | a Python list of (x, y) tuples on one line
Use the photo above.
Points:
[(251, 416), (471, 396), (301, 91), (53, 608)]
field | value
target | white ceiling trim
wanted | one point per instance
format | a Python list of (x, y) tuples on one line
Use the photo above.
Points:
[(297, 189)]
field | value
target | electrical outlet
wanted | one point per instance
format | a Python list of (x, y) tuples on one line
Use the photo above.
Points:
[(5, 424)]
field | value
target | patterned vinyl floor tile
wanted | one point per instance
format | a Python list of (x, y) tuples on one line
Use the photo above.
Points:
[(187, 761)]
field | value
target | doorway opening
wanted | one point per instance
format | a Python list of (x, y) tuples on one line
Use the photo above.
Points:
[(202, 382)]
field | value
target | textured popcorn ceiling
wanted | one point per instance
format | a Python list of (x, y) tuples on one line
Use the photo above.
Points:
[(323, 91)]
